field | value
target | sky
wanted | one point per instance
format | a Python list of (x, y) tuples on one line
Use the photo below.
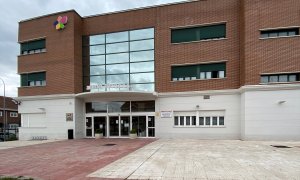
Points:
[(13, 11)]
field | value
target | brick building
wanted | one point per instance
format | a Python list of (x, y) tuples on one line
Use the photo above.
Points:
[(199, 69), (11, 112)]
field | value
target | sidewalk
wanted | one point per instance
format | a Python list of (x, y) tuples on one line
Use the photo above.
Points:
[(14, 144)]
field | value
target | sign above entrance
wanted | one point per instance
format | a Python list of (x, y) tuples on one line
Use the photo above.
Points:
[(108, 86), (166, 114)]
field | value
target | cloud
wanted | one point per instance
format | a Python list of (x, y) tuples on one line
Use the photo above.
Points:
[(16, 10)]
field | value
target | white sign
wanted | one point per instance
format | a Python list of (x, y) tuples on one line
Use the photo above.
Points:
[(109, 86), (166, 114)]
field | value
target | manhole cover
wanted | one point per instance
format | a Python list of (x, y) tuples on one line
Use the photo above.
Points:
[(280, 146), (109, 144)]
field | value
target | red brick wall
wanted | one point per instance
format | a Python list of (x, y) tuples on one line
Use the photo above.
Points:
[(62, 59), (270, 55), (247, 56)]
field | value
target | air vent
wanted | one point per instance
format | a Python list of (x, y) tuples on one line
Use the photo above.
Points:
[(206, 97)]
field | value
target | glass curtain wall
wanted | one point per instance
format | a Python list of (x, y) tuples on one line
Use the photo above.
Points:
[(121, 61)]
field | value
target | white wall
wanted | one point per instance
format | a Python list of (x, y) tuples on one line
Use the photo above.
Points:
[(55, 124), (266, 119), (229, 104)]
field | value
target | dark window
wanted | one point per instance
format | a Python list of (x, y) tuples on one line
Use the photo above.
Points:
[(214, 121), (207, 121), (200, 71), (201, 121), (33, 79), (32, 47), (279, 32), (221, 121), (280, 78), (187, 120), (181, 120), (198, 33), (143, 106), (176, 120), (96, 107), (194, 120)]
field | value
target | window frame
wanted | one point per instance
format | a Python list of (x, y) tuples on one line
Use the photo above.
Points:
[(269, 75), (13, 114), (34, 50), (199, 26), (206, 124), (265, 33), (43, 82), (199, 71)]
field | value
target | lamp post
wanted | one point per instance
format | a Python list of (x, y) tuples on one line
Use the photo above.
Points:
[(4, 113)]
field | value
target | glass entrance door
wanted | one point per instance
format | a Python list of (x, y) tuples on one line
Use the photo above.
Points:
[(100, 123), (114, 125), (125, 125), (139, 123), (89, 127)]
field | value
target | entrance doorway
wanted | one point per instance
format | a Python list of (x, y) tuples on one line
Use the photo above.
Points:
[(119, 125), (100, 123)]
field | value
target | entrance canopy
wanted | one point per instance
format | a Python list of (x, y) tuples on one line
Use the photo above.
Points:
[(117, 96)]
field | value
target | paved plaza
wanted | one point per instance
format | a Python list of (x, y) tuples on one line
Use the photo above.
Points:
[(70, 159), (151, 159), (207, 159)]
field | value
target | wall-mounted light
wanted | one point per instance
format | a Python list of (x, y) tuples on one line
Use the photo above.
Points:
[(197, 106), (43, 109)]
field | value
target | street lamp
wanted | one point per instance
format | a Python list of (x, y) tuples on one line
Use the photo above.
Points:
[(4, 106)]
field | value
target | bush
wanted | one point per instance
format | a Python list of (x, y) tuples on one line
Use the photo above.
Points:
[(98, 131), (133, 131), (12, 138)]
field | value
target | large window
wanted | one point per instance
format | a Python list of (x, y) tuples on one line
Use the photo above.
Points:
[(207, 121), (199, 71), (275, 78), (279, 32), (33, 79), (32, 47), (199, 33), (121, 58), (124, 106)]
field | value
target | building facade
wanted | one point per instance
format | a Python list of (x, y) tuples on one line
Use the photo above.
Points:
[(195, 69), (13, 119)]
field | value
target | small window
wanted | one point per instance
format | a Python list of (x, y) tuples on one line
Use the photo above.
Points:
[(191, 34), (33, 79), (273, 78), (207, 121), (214, 121), (194, 120), (201, 121), (188, 120), (13, 114), (33, 47), (1, 113), (200, 71), (221, 121), (279, 33), (181, 120), (176, 120)]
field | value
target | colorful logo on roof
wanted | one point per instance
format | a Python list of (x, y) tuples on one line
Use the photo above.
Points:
[(60, 22)]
